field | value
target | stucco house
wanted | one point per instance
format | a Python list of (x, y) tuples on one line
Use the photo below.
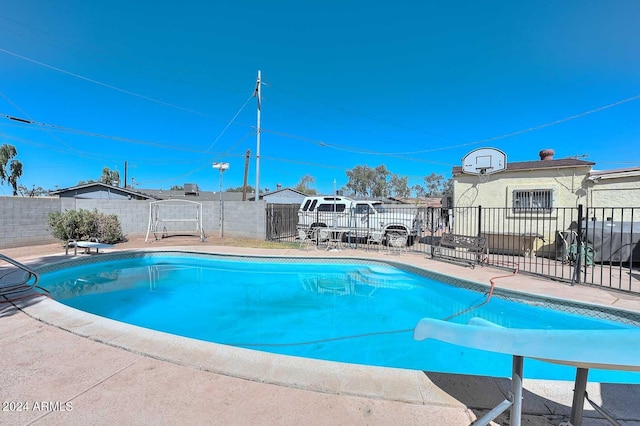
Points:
[(535, 200), (525, 185)]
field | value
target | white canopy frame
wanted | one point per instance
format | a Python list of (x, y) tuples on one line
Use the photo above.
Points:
[(182, 216)]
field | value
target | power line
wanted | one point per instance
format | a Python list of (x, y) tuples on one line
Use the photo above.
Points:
[(335, 146), (109, 86), (229, 123)]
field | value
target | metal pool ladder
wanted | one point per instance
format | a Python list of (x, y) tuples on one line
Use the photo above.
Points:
[(7, 286)]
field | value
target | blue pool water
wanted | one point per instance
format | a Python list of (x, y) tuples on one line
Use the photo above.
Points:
[(360, 313)]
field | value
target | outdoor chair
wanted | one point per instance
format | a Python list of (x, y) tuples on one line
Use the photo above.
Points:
[(397, 242), (323, 235), (306, 240), (375, 238)]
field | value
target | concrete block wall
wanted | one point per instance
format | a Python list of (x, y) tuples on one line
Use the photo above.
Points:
[(244, 219), (132, 214), (24, 221)]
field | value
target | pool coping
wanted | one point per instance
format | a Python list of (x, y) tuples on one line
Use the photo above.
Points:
[(395, 384)]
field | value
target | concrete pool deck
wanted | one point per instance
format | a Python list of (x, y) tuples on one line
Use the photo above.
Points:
[(75, 368)]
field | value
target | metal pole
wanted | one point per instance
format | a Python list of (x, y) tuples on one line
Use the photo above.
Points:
[(257, 94), (516, 389), (579, 392), (222, 167), (579, 249), (221, 210)]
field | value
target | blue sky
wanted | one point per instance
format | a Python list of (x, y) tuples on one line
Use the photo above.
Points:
[(414, 85)]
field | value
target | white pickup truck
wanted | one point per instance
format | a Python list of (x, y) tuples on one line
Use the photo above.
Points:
[(359, 216)]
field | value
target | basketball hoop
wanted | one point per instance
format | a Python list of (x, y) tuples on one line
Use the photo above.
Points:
[(484, 162), (483, 176)]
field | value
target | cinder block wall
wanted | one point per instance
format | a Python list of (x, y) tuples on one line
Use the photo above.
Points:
[(24, 221)]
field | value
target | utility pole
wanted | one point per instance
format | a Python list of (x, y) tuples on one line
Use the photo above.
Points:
[(125, 175), (246, 175), (257, 94)]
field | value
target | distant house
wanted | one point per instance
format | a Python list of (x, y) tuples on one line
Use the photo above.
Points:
[(282, 196), (200, 196), (99, 190)]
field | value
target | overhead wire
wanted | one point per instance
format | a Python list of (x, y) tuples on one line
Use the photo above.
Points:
[(55, 137), (335, 146), (344, 148), (230, 123), (110, 86)]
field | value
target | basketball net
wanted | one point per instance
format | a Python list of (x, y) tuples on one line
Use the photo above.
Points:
[(483, 176)]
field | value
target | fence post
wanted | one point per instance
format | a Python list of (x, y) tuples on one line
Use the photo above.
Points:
[(579, 249), (431, 229), (479, 221)]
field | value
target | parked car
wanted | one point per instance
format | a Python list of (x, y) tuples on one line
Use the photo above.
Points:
[(361, 217)]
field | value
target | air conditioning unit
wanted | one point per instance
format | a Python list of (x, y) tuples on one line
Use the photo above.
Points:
[(191, 189)]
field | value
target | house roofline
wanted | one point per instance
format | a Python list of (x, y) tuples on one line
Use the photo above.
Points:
[(537, 165)]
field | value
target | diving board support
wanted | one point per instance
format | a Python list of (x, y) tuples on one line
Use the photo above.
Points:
[(579, 392), (514, 398)]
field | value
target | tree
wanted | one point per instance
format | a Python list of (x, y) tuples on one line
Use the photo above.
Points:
[(399, 186), (380, 186), (359, 180), (304, 185), (11, 176), (36, 191), (177, 188), (436, 186), (239, 189), (365, 181), (419, 190), (110, 177)]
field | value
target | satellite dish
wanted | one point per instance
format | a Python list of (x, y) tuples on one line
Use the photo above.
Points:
[(484, 161)]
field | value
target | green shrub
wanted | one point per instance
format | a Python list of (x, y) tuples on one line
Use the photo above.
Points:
[(84, 225)]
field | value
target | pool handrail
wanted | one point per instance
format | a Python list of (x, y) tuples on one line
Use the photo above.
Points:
[(22, 285)]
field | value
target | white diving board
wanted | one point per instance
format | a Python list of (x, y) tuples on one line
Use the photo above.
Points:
[(615, 350)]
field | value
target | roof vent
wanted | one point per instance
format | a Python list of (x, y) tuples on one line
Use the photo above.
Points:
[(546, 154)]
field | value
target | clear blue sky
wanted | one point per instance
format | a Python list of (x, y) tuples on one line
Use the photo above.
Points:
[(413, 85)]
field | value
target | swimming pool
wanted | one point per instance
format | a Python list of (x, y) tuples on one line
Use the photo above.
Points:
[(352, 310)]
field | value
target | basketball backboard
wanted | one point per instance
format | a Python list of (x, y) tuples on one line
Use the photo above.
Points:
[(484, 161)]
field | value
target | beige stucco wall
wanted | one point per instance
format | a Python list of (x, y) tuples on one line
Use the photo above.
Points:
[(569, 187), (615, 192)]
